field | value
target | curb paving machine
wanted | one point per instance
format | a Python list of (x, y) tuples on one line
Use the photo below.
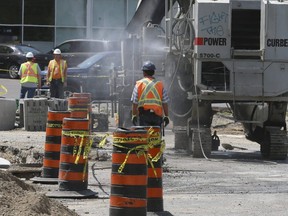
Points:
[(213, 51)]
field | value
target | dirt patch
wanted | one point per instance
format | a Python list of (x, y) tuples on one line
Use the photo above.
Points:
[(224, 123), (21, 156), (19, 198)]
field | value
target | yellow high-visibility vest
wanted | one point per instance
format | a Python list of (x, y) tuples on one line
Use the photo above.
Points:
[(62, 67), (29, 72), (150, 95)]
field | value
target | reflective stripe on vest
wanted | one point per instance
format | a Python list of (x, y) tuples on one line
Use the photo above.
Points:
[(150, 95), (62, 65), (29, 72)]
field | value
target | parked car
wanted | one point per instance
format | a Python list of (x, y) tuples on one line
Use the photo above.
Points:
[(77, 50), (92, 75), (13, 55)]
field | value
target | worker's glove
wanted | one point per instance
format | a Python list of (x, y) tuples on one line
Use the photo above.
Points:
[(134, 120), (166, 120)]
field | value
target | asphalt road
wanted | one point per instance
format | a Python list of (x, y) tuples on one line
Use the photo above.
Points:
[(232, 182), (12, 85)]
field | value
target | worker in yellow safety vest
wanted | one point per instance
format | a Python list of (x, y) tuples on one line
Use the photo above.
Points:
[(57, 75), (149, 99), (30, 77)]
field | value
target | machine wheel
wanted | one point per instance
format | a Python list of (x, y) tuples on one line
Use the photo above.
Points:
[(275, 144), (205, 140), (181, 140), (13, 71)]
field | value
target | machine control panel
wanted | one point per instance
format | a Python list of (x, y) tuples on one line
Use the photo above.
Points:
[(212, 29)]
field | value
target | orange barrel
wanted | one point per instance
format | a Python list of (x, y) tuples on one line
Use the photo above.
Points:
[(128, 187), (73, 170), (79, 107), (154, 185), (87, 95), (53, 143)]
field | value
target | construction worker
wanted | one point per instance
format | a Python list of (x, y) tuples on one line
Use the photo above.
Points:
[(149, 99), (57, 75), (30, 77)]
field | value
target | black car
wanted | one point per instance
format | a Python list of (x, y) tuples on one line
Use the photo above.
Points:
[(93, 75), (77, 50), (13, 55)]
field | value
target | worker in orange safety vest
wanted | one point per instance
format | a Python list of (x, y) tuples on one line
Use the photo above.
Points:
[(30, 77), (149, 99), (57, 75)]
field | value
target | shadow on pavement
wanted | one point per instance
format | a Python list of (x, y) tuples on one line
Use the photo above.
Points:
[(164, 213)]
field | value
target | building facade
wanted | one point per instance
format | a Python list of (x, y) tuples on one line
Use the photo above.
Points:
[(46, 23)]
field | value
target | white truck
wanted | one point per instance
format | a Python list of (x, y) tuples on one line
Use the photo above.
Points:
[(214, 51)]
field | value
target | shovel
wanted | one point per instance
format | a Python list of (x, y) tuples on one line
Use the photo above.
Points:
[(230, 147)]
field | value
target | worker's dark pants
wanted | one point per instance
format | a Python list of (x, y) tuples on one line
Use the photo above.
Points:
[(147, 118), (57, 88), (30, 92)]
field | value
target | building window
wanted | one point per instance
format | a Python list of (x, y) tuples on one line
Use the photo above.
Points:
[(38, 34), (107, 16), (40, 12), (71, 13), (10, 34), (11, 12)]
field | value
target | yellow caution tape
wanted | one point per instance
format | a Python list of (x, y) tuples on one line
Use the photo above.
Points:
[(53, 125), (79, 150), (75, 148), (79, 137), (159, 154), (140, 150), (84, 171), (87, 150), (103, 141), (128, 139), (5, 70), (5, 90), (152, 141), (154, 138), (75, 133)]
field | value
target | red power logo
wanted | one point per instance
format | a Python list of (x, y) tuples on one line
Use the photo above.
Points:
[(198, 41), (210, 41)]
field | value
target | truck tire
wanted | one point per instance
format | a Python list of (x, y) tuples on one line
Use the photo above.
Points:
[(204, 140), (181, 140)]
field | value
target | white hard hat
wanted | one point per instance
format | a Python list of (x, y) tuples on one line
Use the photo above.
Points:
[(29, 55), (57, 52)]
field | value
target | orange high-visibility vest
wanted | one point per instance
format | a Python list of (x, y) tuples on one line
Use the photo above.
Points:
[(62, 67), (150, 94), (29, 72)]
